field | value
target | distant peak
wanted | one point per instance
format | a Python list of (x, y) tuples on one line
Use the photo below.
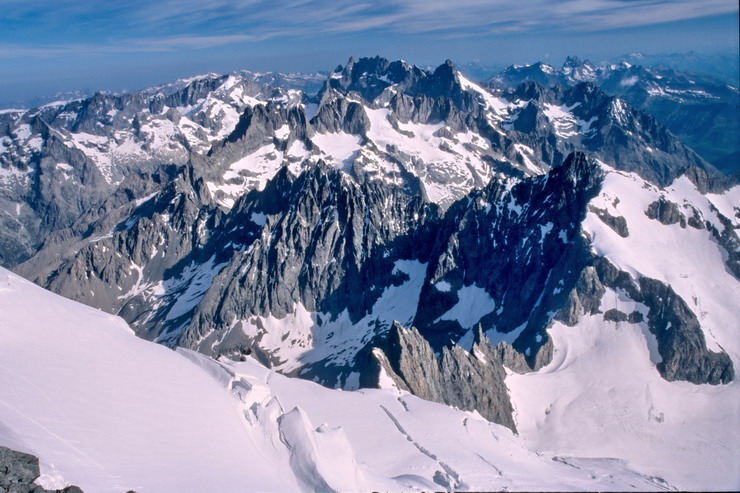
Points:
[(572, 61)]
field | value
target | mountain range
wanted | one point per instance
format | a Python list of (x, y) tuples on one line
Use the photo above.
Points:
[(541, 250), (702, 110)]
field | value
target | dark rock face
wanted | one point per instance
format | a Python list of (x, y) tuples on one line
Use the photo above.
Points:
[(728, 239), (522, 246), (666, 212), (468, 380), (585, 297), (695, 220), (680, 340), (327, 243), (18, 471), (615, 315)]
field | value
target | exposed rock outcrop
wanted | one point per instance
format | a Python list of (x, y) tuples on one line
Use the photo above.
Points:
[(19, 471), (468, 380)]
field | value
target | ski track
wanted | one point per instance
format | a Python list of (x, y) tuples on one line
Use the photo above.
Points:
[(459, 483)]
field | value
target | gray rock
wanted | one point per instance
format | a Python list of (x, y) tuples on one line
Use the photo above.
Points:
[(302, 254), (695, 220), (522, 245), (729, 240), (18, 471), (615, 315), (617, 223), (666, 212), (469, 381)]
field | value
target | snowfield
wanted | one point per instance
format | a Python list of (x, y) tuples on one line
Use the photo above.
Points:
[(107, 411), (602, 396)]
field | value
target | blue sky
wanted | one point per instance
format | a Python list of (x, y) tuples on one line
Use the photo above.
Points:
[(48, 46)]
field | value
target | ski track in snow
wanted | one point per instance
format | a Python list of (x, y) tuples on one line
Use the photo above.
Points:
[(459, 484)]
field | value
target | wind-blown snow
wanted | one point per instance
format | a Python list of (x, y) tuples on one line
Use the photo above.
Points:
[(340, 148), (109, 412), (282, 132), (402, 442), (563, 120)]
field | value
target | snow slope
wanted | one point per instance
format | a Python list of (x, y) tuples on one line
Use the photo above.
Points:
[(602, 396), (686, 258), (110, 412)]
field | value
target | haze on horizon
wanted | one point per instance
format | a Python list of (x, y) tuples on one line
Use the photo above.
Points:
[(51, 46)]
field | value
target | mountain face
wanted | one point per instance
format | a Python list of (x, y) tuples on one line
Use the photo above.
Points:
[(700, 109), (433, 131), (400, 228), (59, 160)]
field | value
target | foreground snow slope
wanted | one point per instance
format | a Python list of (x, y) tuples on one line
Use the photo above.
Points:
[(110, 412)]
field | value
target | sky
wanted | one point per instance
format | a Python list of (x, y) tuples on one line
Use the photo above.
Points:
[(49, 46)]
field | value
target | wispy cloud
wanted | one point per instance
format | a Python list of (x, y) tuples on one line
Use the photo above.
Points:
[(315, 16), (197, 24), (9, 50)]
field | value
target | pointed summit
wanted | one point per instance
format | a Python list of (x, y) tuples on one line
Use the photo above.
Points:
[(573, 61)]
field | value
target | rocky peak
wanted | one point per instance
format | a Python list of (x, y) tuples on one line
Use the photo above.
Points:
[(369, 77), (573, 62), (196, 91), (527, 90)]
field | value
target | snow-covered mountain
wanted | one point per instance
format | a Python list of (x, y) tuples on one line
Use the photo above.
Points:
[(60, 159), (435, 131), (701, 110), (510, 253)]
